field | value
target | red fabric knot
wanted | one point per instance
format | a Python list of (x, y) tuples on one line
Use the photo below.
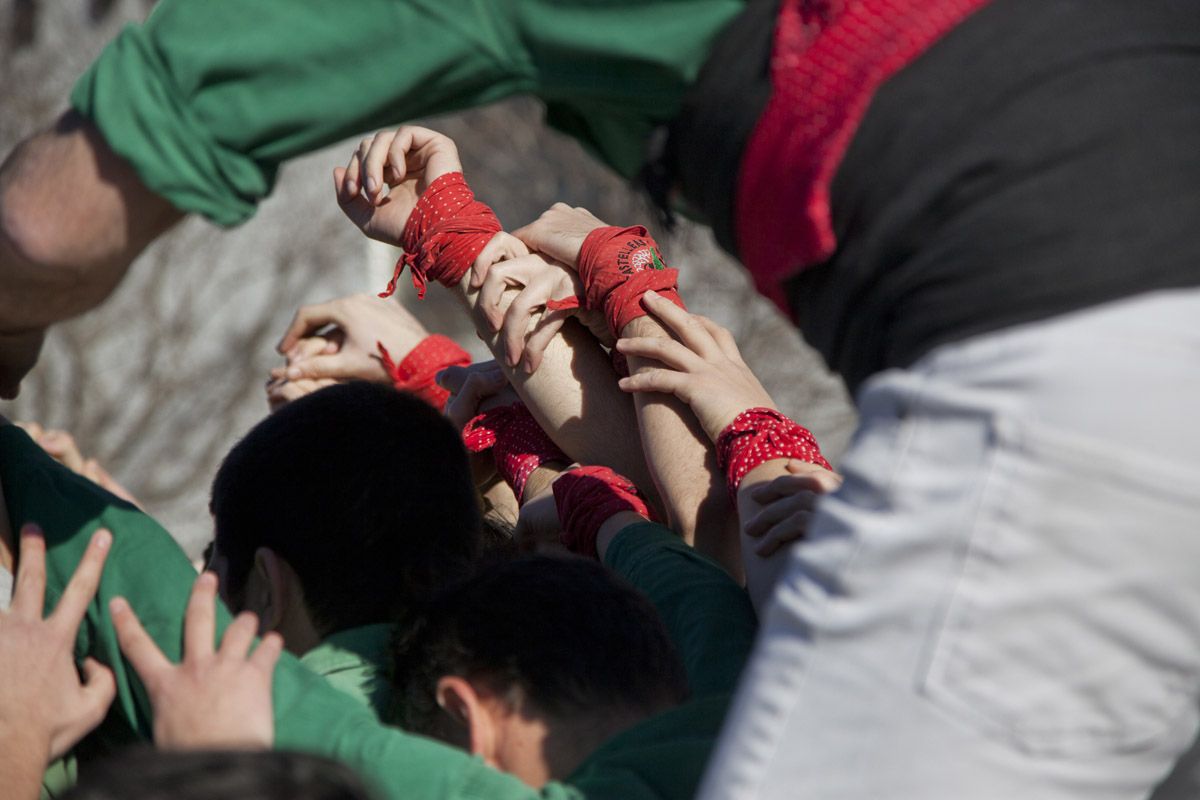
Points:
[(518, 443), (417, 372), (759, 435), (828, 59), (617, 266), (586, 497), (444, 234)]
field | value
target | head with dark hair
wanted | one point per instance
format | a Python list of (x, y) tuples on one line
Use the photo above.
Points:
[(142, 773), (351, 504), (534, 663)]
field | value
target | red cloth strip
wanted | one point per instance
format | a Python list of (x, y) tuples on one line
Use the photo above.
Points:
[(518, 443), (829, 59), (759, 435), (417, 372), (444, 234), (586, 497), (617, 266)]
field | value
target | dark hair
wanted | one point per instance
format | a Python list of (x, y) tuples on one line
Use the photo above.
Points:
[(363, 490), (576, 640), (142, 773)]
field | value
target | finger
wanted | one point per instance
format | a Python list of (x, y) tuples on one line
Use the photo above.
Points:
[(339, 366), (373, 164), (306, 321), (688, 327), (32, 428), (668, 352), (452, 378), (500, 279), (654, 380), (345, 184), (266, 655), (99, 691), (30, 593), (139, 649), (516, 323), (723, 338), (771, 515), (200, 620), (828, 480), (543, 333), (789, 530), (83, 584), (353, 178), (63, 447), (239, 635), (784, 486), (397, 157)]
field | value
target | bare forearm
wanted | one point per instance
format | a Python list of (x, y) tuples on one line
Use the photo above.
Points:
[(74, 216), (22, 762), (684, 465), (574, 396)]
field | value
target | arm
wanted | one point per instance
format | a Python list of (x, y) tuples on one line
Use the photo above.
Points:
[(707, 614), (573, 393), (148, 569), (74, 215)]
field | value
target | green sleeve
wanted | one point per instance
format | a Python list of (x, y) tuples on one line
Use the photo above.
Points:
[(707, 614), (207, 99), (146, 567)]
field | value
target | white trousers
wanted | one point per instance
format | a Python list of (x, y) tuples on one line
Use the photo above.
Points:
[(1003, 599)]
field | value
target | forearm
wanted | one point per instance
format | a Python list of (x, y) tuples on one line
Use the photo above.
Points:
[(683, 465), (574, 396), (74, 216)]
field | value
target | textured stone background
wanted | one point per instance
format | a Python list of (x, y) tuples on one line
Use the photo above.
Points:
[(161, 380)]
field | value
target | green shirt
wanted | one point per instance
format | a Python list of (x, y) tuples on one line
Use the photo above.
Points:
[(661, 757), (207, 99), (355, 662)]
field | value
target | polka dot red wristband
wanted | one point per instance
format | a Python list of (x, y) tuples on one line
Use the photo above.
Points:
[(759, 435)]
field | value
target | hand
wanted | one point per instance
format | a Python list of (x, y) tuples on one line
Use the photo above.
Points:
[(559, 232), (61, 446), (523, 335), (475, 389), (703, 369), (406, 161), (212, 700), (538, 530), (280, 390), (43, 703), (18, 354), (360, 323), (787, 505)]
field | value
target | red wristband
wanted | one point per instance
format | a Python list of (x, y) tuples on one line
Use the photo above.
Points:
[(586, 497), (444, 234), (417, 372), (617, 266), (759, 435), (518, 443)]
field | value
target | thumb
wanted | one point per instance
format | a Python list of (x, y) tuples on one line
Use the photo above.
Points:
[(99, 691)]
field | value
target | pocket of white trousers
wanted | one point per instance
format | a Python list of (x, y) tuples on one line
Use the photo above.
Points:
[(1073, 626)]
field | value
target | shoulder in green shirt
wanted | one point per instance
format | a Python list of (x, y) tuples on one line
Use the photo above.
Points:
[(354, 661)]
